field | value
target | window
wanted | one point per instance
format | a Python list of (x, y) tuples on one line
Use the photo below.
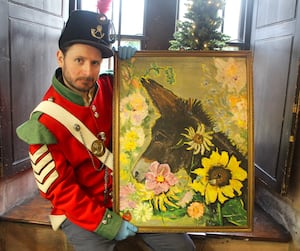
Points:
[(237, 21), (129, 27), (131, 23)]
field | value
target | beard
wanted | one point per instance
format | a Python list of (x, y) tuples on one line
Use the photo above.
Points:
[(79, 84)]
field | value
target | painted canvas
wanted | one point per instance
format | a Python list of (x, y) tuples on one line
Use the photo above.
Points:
[(183, 141)]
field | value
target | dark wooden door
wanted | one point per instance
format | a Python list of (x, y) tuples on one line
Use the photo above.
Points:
[(276, 46), (28, 42)]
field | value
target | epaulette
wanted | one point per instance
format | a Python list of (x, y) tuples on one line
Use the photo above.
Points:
[(34, 132)]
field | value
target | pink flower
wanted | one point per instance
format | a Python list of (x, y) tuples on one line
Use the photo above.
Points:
[(126, 192), (159, 178)]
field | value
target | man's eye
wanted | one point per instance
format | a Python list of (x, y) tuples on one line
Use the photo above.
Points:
[(96, 63), (78, 60)]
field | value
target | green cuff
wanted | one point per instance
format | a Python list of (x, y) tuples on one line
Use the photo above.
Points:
[(110, 225)]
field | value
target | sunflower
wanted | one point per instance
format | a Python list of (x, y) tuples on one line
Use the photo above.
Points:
[(220, 178), (199, 140)]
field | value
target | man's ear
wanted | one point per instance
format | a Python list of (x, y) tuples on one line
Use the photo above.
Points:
[(60, 58)]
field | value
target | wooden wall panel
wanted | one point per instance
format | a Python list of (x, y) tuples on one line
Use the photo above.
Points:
[(275, 11), (29, 37), (31, 73), (271, 79), (5, 114), (52, 6), (276, 48)]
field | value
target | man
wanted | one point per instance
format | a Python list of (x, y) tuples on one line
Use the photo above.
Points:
[(67, 146)]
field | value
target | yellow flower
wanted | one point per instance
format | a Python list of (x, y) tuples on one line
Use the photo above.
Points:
[(200, 140), (220, 178), (231, 73), (124, 159), (143, 212), (132, 139), (133, 108)]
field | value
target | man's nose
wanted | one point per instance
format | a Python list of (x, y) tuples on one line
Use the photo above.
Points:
[(87, 68)]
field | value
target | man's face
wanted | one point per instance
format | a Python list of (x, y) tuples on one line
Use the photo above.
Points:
[(80, 66)]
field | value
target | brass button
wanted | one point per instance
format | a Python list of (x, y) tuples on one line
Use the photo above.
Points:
[(76, 127), (96, 114), (98, 148)]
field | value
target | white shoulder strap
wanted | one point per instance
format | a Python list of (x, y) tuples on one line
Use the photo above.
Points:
[(77, 128)]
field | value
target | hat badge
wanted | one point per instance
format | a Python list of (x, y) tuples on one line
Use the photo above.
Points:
[(97, 32)]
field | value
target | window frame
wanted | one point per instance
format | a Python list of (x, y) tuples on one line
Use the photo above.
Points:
[(244, 32), (246, 26), (121, 37)]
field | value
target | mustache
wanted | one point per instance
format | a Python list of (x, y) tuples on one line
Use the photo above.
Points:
[(86, 79)]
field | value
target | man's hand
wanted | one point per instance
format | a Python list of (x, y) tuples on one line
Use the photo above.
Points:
[(126, 230), (126, 52)]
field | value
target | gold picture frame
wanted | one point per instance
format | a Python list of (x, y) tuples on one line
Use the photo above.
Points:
[(183, 141)]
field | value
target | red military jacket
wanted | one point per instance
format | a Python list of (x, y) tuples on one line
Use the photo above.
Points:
[(65, 171)]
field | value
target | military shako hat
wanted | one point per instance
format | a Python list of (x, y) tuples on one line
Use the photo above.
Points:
[(90, 28)]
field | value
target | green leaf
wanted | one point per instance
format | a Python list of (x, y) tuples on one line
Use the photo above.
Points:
[(174, 214), (233, 210)]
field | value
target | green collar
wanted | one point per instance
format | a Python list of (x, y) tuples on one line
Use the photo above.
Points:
[(65, 91)]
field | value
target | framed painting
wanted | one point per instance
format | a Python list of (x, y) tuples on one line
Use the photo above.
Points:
[(183, 141)]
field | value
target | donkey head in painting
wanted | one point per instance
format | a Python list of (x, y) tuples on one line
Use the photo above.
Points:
[(176, 114)]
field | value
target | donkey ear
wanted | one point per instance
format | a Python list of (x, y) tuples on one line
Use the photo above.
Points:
[(166, 101)]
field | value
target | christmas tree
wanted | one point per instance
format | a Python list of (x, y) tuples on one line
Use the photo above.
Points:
[(200, 29)]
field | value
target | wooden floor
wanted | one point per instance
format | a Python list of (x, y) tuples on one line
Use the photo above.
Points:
[(27, 228)]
